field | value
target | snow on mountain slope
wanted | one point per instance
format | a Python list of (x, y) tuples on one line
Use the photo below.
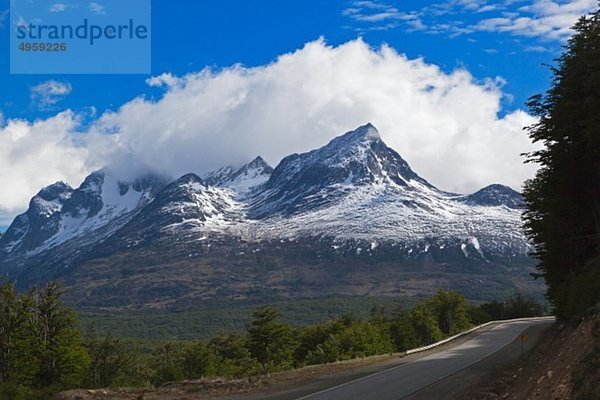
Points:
[(353, 188), (495, 195), (186, 205), (219, 176), (190, 202), (304, 182), (243, 179), (101, 200), (40, 221), (58, 213), (391, 214), (358, 188)]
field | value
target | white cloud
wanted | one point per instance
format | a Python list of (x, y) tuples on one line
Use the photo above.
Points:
[(488, 8), (58, 7), (546, 19), (535, 49), (446, 125), (47, 94), (165, 80), (33, 155), (381, 16), (97, 8)]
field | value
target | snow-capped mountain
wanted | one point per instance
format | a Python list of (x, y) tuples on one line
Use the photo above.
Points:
[(186, 204), (356, 187), (59, 213), (241, 180), (305, 182), (41, 221), (355, 201), (494, 196)]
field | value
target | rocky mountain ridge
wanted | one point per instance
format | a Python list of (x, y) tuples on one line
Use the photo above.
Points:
[(353, 198)]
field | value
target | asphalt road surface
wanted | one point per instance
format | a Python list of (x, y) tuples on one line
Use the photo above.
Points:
[(405, 379)]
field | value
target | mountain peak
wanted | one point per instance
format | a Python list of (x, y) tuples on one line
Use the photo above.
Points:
[(55, 191), (258, 165), (363, 134), (369, 132), (358, 158), (190, 178), (242, 179), (258, 162), (495, 195)]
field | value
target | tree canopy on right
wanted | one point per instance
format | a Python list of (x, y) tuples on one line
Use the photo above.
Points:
[(563, 200)]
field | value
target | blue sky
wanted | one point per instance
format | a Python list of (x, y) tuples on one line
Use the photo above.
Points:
[(504, 42), (189, 35)]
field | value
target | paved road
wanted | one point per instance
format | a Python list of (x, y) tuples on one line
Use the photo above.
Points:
[(401, 381)]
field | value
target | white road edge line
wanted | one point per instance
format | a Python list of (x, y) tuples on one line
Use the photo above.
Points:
[(441, 342), (431, 346)]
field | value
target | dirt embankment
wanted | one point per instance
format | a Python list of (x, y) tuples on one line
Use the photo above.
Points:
[(193, 390), (564, 365)]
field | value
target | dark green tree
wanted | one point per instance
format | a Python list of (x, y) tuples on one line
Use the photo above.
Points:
[(378, 316), (451, 309), (232, 357), (425, 324), (495, 310), (198, 361), (520, 306), (402, 331), (167, 364), (41, 350), (363, 339), (19, 345), (563, 200), (109, 359), (63, 360), (310, 344), (270, 340)]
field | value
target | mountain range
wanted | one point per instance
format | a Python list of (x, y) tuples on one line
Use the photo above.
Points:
[(350, 218)]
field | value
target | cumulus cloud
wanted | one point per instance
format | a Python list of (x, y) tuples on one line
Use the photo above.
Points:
[(47, 94), (165, 80), (33, 155), (446, 125)]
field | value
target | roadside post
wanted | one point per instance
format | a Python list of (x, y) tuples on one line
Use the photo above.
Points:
[(522, 339)]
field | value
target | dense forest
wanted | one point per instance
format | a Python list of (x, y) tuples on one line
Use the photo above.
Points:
[(563, 200), (43, 351)]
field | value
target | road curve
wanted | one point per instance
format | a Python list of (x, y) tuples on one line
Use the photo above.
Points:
[(401, 381)]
